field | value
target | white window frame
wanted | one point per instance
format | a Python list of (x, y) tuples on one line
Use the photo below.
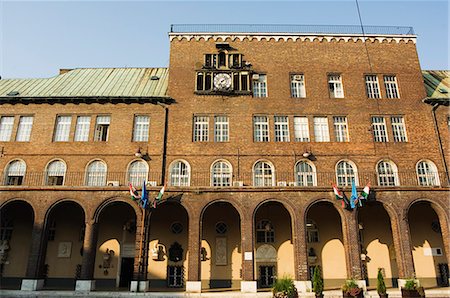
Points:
[(399, 129), (312, 232), (15, 168), (340, 128), (95, 177), (221, 173), (390, 83), (265, 227), (261, 128), (335, 86), (55, 171), (345, 176), (387, 173), (379, 129), (62, 128), (141, 128), (260, 86), (221, 128), (102, 128), (6, 128), (180, 173), (305, 178), (137, 172), (201, 128), (301, 129), (281, 126), (24, 128), (427, 173), (82, 128), (298, 89), (372, 86), (321, 129), (261, 177)]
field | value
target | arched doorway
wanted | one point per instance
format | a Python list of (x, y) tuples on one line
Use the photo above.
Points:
[(274, 255), (16, 226), (169, 228), (221, 256), (116, 247), (377, 244), (65, 223), (325, 244), (430, 262)]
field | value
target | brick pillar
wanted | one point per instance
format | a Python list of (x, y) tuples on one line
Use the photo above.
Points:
[(300, 253), (89, 250), (445, 232), (138, 284), (350, 232), (34, 276), (248, 270), (402, 244), (193, 283)]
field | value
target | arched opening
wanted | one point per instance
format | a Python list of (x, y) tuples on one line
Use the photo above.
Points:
[(116, 246), (430, 262), (377, 244), (169, 229), (221, 260), (273, 233), (325, 244), (16, 226), (65, 225)]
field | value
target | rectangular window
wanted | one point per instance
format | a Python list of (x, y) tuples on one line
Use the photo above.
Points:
[(6, 128), (321, 133), (201, 125), (301, 129), (62, 130), (259, 85), (398, 129), (82, 129), (390, 83), (141, 128), (261, 129), (372, 86), (175, 276), (24, 129), (298, 86), (102, 128), (340, 129), (335, 86), (221, 129), (281, 129), (379, 129)]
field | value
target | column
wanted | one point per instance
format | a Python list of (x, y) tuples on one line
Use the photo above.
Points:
[(86, 281), (34, 277), (193, 284), (139, 282), (302, 283), (248, 283)]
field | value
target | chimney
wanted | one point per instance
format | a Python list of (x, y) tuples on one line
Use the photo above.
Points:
[(64, 70)]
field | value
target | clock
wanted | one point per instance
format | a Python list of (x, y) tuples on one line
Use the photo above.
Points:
[(222, 81)]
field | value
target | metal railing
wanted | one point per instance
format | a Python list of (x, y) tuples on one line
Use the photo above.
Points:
[(266, 28), (206, 179)]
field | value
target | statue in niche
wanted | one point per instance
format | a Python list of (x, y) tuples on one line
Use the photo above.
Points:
[(158, 252), (203, 254), (175, 252), (107, 258)]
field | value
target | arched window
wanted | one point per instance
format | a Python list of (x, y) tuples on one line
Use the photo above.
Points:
[(265, 232), (427, 173), (387, 173), (312, 232), (96, 173), (56, 170), (305, 174), (221, 173), (15, 172), (137, 172), (346, 173), (179, 173), (263, 174)]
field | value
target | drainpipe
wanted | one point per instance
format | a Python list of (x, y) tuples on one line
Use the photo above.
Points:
[(164, 147), (436, 128)]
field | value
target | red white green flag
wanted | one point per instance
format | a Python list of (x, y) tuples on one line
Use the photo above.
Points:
[(133, 192), (337, 193)]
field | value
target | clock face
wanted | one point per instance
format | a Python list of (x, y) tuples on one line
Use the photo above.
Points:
[(222, 81)]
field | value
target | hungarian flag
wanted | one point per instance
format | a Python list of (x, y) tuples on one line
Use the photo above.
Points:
[(364, 194), (133, 192), (158, 198), (337, 193)]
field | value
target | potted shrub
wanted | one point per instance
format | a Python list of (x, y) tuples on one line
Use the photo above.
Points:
[(412, 289), (381, 286), (317, 282), (284, 288), (351, 289)]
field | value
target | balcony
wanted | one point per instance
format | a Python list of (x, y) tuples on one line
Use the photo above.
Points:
[(222, 181)]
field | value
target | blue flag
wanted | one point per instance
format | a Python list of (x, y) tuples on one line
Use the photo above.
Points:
[(144, 196), (354, 197)]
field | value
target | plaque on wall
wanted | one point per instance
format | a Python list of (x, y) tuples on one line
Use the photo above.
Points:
[(221, 251), (64, 249)]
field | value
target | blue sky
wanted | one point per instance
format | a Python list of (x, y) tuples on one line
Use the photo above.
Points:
[(37, 38)]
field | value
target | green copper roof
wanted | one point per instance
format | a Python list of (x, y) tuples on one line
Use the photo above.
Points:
[(437, 83), (91, 82)]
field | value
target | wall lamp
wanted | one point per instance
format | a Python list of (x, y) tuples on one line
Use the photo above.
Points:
[(140, 154)]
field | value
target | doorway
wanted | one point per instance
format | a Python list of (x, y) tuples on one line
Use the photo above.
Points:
[(126, 272)]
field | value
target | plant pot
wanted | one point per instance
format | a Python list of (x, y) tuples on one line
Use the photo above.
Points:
[(411, 293), (319, 295), (383, 295), (347, 295)]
